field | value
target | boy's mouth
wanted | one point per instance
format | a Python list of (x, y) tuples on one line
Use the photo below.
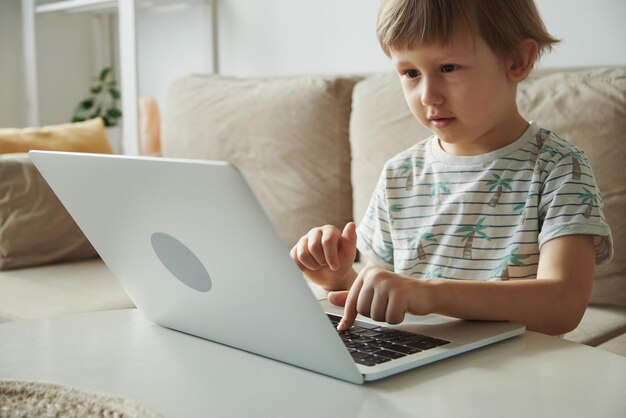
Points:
[(440, 123)]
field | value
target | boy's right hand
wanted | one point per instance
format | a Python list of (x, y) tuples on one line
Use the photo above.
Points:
[(325, 255)]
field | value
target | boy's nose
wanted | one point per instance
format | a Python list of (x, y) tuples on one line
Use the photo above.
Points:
[(431, 93)]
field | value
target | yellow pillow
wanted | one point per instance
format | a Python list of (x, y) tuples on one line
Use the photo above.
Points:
[(88, 136)]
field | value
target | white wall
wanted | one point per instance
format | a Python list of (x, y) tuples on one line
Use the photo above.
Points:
[(174, 40), (261, 38), (65, 66), (593, 32), (298, 36), (338, 36), (12, 96)]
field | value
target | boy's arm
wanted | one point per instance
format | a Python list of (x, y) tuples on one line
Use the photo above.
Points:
[(552, 304)]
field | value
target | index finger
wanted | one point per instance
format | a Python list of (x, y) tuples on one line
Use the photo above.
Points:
[(349, 310)]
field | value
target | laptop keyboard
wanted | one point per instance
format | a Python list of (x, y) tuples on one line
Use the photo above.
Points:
[(372, 346)]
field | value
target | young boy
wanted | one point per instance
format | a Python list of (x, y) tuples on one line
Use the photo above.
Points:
[(492, 217)]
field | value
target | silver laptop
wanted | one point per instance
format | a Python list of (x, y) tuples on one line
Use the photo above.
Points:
[(194, 250)]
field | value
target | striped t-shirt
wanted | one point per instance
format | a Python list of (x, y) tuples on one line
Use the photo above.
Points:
[(433, 215)]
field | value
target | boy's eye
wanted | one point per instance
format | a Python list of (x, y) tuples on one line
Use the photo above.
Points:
[(412, 73), (448, 68)]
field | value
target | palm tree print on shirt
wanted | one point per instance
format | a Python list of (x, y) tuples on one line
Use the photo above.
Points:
[(590, 198), (387, 253), (433, 273), (393, 209), (408, 168), (473, 230), (417, 242), (541, 137), (550, 150), (502, 270), (522, 208), (499, 184), (577, 157), (437, 190)]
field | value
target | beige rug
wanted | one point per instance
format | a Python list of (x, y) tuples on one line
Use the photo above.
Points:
[(31, 399)]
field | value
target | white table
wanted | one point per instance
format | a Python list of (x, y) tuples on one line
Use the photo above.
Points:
[(178, 375)]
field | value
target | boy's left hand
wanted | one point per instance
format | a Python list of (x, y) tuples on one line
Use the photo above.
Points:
[(381, 295)]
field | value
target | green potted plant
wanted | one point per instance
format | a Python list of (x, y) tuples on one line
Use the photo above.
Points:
[(103, 102)]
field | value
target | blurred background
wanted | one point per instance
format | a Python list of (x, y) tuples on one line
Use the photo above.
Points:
[(51, 52)]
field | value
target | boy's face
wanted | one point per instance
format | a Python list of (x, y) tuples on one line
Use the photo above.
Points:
[(461, 91)]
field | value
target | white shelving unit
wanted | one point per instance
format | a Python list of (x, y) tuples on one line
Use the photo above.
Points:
[(76, 6), (129, 15)]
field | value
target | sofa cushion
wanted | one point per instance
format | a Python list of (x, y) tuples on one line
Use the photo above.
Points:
[(599, 325), (88, 136), (616, 345), (586, 107), (35, 228), (288, 136), (58, 289)]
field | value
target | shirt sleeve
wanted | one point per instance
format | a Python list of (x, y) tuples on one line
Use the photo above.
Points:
[(374, 233), (571, 204)]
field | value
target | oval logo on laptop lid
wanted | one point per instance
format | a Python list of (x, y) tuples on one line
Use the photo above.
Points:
[(181, 261)]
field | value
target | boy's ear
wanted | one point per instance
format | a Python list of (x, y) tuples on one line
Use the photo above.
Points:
[(522, 60)]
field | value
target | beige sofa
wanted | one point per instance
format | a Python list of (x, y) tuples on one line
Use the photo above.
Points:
[(312, 148)]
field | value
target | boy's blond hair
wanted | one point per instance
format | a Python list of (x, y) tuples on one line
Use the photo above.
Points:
[(502, 24)]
